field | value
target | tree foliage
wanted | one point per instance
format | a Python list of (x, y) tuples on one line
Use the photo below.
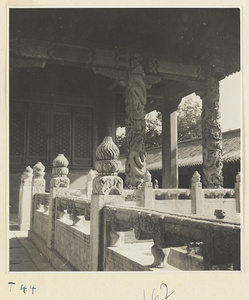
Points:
[(189, 120), (188, 123)]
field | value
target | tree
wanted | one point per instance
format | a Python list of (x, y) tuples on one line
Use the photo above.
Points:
[(189, 120), (188, 123)]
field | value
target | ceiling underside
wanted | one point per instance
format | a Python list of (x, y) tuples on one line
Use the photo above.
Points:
[(179, 34), (184, 35)]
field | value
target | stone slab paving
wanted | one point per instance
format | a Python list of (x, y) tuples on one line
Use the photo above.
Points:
[(24, 256)]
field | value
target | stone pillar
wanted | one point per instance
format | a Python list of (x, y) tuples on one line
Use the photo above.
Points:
[(135, 100), (147, 197), (59, 184), (38, 182), (197, 201), (25, 200), (38, 185), (107, 189), (211, 135), (89, 183), (169, 146)]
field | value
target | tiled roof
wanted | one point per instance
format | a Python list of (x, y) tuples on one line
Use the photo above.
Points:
[(190, 152)]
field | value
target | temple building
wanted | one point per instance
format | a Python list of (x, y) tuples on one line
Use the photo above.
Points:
[(77, 74), (190, 160)]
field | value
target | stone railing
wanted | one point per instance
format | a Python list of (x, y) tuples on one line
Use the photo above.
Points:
[(41, 202), (73, 207), (220, 240), (66, 222), (195, 200)]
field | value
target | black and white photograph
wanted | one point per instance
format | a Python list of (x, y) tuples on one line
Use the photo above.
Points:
[(124, 131)]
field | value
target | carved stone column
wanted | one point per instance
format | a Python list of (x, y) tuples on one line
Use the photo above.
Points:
[(107, 189), (135, 99), (211, 129), (211, 135), (59, 184)]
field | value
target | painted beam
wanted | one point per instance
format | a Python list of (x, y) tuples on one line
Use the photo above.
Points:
[(102, 58)]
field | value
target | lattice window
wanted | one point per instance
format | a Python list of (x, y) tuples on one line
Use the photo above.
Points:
[(82, 148), (61, 134), (17, 130), (38, 132), (41, 132)]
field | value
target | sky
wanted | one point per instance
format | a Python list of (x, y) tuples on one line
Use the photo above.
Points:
[(230, 102)]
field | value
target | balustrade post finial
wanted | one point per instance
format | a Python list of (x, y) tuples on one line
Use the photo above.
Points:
[(196, 177), (156, 185), (38, 182), (60, 172), (107, 164)]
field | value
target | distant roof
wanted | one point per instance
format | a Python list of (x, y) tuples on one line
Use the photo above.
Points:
[(190, 152)]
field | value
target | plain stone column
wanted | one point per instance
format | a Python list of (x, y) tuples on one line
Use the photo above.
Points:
[(169, 147), (25, 200)]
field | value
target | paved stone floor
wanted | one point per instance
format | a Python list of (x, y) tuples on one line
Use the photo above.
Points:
[(23, 255)]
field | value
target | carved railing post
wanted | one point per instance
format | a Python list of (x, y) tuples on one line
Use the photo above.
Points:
[(38, 185), (107, 189), (147, 197), (25, 199), (89, 183), (38, 182), (237, 192), (59, 184), (197, 197), (135, 100)]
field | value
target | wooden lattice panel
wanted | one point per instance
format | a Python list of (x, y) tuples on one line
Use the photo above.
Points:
[(17, 131), (38, 136), (82, 137), (61, 134)]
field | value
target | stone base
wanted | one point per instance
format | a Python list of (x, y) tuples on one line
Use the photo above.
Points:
[(54, 258), (138, 257)]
